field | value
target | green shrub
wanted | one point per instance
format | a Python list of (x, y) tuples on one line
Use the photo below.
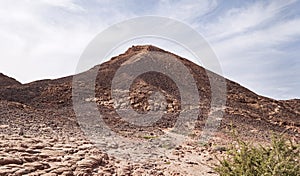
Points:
[(281, 158)]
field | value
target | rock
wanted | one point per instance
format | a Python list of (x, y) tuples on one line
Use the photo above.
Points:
[(68, 173), (87, 163), (39, 146), (7, 171), (50, 174), (85, 146), (9, 160), (60, 170), (4, 126), (24, 171), (21, 131), (37, 165), (30, 158), (219, 149)]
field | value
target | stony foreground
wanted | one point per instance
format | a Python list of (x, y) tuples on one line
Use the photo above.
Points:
[(48, 156)]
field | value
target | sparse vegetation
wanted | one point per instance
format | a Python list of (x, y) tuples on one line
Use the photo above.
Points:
[(281, 158), (149, 137)]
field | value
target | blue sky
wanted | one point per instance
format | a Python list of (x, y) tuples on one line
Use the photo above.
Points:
[(257, 42)]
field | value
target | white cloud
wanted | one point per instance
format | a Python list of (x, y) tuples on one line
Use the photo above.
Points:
[(186, 10), (34, 45), (66, 4), (244, 19), (44, 39), (249, 52), (265, 39)]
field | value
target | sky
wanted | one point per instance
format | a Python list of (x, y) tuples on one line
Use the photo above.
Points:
[(257, 42)]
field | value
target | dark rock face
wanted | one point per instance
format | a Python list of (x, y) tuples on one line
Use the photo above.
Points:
[(7, 81), (44, 109), (243, 107)]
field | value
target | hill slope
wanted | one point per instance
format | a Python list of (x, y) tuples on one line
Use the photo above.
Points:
[(243, 107), (7, 81), (44, 108)]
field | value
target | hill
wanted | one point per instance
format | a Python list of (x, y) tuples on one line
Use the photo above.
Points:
[(44, 110)]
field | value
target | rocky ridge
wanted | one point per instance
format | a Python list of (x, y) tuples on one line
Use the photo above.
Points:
[(40, 134)]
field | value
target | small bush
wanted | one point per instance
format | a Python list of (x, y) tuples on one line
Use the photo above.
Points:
[(281, 158)]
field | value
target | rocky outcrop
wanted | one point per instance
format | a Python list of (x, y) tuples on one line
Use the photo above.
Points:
[(7, 81)]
